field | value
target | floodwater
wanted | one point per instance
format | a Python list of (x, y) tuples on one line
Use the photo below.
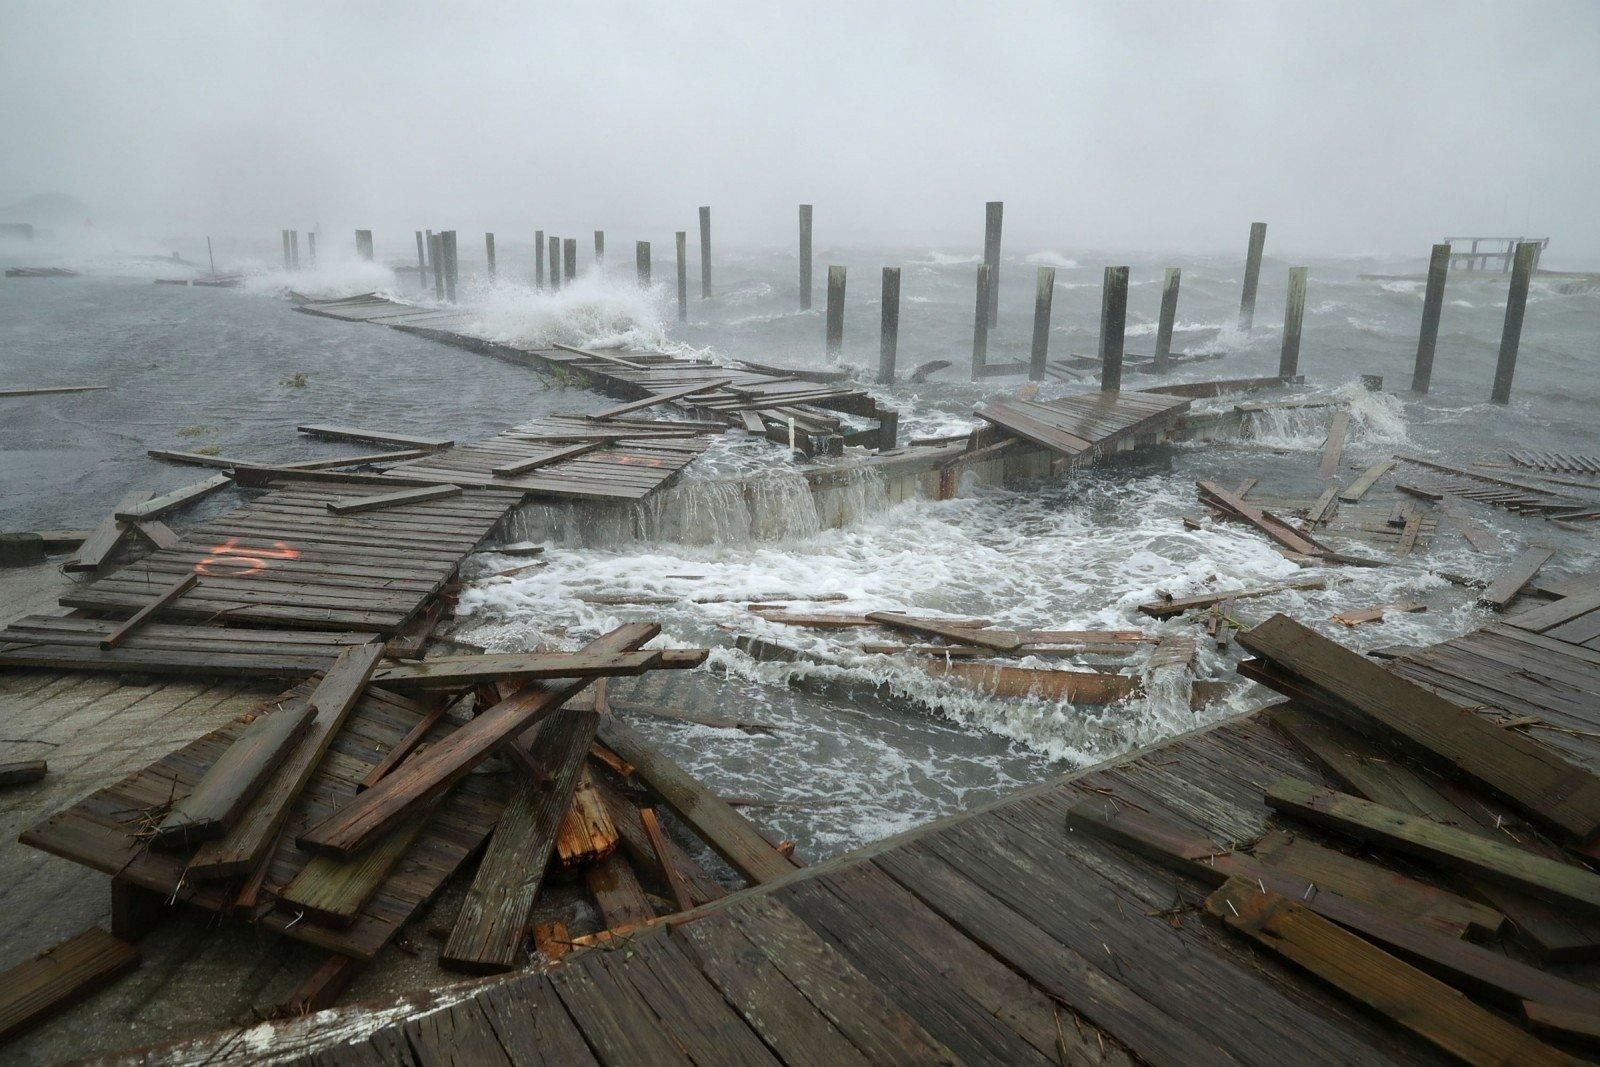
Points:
[(237, 370)]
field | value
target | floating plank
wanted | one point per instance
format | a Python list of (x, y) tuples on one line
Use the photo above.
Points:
[(353, 505), (559, 455), (374, 437), (1529, 775), (246, 844), (661, 398), (491, 928), (156, 507), (1333, 447), (1510, 582), (23, 772), (724, 829), (1408, 535), (1368, 478), (387, 803), (1265, 521), (105, 537), (1411, 999), (445, 672), (161, 601), (222, 792), (1377, 613), (1486, 857), (1163, 609), (60, 977), (1076, 687), (965, 635), (1549, 616), (53, 389)]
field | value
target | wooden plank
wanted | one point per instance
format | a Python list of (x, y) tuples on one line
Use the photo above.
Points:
[(1368, 478), (384, 805), (60, 977), (660, 398), (156, 507), (240, 851), (1376, 613), (1408, 535), (603, 357), (926, 627), (323, 987), (445, 672), (1529, 775), (532, 1026), (52, 389), (1582, 1027), (105, 537), (1267, 523), (587, 834), (625, 817), (405, 746), (658, 844), (373, 437), (23, 772), (1510, 582), (617, 894), (334, 890), (724, 829), (157, 533), (619, 1026), (1333, 447), (1163, 609), (1425, 1006), (523, 466), (1078, 687), (355, 504), (1549, 616), (161, 601), (1447, 846), (233, 780)]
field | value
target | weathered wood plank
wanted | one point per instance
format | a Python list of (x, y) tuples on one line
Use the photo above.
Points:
[(1162, 609), (161, 601), (661, 398), (1333, 447), (1511, 581), (106, 536), (617, 894), (523, 466), (373, 437), (948, 631), (446, 672), (356, 504), (60, 977), (1368, 478), (333, 890), (156, 507)]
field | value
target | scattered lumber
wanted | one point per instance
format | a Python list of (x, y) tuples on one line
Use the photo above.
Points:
[(587, 834), (406, 745), (558, 455), (104, 538), (658, 842), (162, 600), (53, 389), (1264, 521), (324, 986), (156, 507), (1574, 1024), (660, 398), (1333, 447), (1531, 776), (520, 548), (418, 780), (450, 672), (1408, 997), (1548, 617), (246, 844), (333, 890), (617, 894), (844, 622), (157, 533), (1164, 609), (1510, 582), (637, 844), (22, 772), (965, 635), (239, 773), (682, 715), (603, 357), (1368, 478), (1377, 613), (1075, 687), (374, 437), (60, 977), (356, 504), (1447, 846)]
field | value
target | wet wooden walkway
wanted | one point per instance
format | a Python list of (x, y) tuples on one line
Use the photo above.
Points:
[(1090, 424)]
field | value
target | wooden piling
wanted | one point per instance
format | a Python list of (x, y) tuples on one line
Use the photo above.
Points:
[(1252, 275), (1043, 298), (436, 256), (555, 262), (835, 327), (294, 249), (1294, 312), (682, 239), (1113, 323), (285, 235), (1516, 308), (992, 212), (1169, 315), (364, 244), (599, 249), (705, 253), (538, 259), (452, 266), (641, 262), (311, 249), (569, 259), (488, 253), (1432, 306), (805, 257), (422, 263), (980, 321), (889, 336)]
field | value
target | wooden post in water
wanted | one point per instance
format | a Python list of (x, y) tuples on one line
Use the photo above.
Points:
[(294, 248), (641, 263), (422, 263), (488, 253), (569, 259), (705, 253), (835, 326), (452, 266), (599, 249), (1043, 298), (538, 259), (364, 244), (1169, 315), (682, 240), (980, 322), (436, 256), (212, 259), (555, 262), (1113, 323), (992, 212), (1432, 306), (1252, 275), (805, 257), (889, 336), (285, 235), (1294, 312), (1516, 308), (311, 242)]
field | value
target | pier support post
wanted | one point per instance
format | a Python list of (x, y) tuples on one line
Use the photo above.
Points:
[(682, 239), (1043, 298), (569, 259), (436, 255), (1516, 308), (1252, 275), (835, 328), (488, 253), (889, 335), (555, 262), (538, 259), (294, 249), (980, 321), (422, 263), (705, 253), (1113, 324), (992, 212), (311, 250), (805, 257), (1432, 306), (599, 249), (452, 266), (1169, 315), (364, 244), (1294, 312), (285, 235), (641, 263)]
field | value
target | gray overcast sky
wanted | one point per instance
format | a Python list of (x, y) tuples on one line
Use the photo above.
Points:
[(1350, 127)]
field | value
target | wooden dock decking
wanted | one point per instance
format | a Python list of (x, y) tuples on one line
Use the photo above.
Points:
[(1085, 425)]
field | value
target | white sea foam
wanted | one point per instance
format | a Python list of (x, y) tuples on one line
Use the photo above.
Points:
[(946, 259), (1050, 259), (330, 279), (593, 311)]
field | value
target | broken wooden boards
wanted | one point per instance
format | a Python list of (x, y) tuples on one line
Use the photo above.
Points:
[(1162, 609), (444, 672), (1531, 776), (166, 648), (1508, 583), (1092, 423), (61, 976)]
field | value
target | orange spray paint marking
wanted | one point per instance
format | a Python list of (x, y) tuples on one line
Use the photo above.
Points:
[(231, 560), (648, 461)]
